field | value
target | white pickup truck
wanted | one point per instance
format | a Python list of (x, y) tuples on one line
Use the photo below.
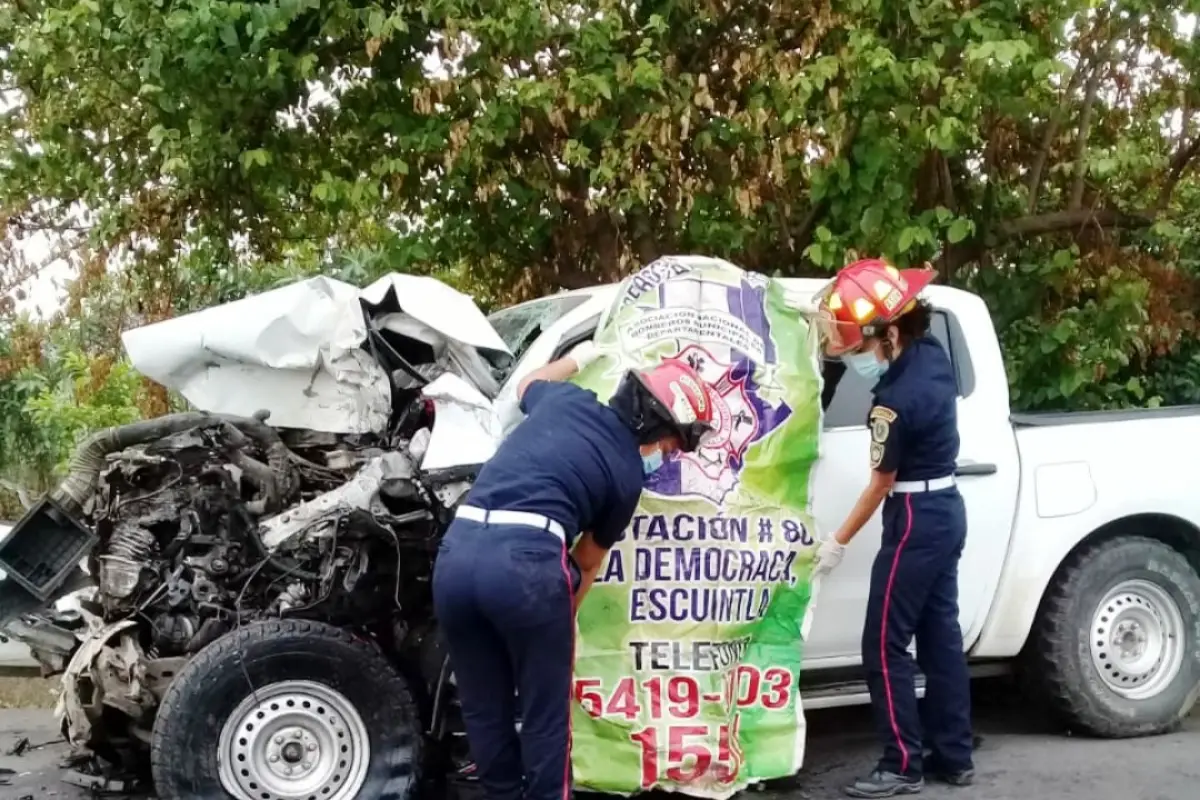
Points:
[(1083, 544)]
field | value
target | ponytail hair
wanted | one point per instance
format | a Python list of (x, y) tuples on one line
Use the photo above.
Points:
[(914, 323)]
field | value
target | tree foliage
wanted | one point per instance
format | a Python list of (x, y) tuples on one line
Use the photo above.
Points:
[(183, 153)]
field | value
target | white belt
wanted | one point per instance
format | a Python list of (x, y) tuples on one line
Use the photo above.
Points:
[(917, 487), (501, 517)]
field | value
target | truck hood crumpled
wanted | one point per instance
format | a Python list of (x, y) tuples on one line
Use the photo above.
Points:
[(309, 353)]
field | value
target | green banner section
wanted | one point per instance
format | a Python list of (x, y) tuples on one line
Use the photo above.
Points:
[(689, 644)]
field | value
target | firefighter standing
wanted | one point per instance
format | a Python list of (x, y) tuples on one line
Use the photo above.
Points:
[(507, 582), (875, 322)]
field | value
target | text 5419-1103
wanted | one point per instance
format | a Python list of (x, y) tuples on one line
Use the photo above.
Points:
[(680, 696)]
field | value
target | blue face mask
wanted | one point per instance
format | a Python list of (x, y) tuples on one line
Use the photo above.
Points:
[(866, 364), (652, 461)]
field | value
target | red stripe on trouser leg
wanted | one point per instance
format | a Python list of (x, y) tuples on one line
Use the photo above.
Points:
[(566, 792), (887, 601)]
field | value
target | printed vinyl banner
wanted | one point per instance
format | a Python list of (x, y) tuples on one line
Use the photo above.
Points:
[(690, 641)]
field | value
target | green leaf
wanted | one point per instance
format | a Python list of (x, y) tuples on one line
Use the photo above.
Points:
[(229, 36), (603, 87), (1104, 166), (1063, 331), (1167, 229), (872, 218), (815, 253), (960, 229), (375, 21), (254, 158), (306, 64), (324, 192), (1069, 382)]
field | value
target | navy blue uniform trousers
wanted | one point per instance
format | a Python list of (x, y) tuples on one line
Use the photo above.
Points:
[(914, 593), (503, 595)]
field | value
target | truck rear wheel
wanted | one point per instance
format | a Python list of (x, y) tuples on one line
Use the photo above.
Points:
[(287, 710), (1114, 650)]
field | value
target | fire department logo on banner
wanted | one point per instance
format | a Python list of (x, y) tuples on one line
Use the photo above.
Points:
[(730, 339)]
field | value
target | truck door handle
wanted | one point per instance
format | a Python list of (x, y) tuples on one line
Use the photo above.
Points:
[(966, 469)]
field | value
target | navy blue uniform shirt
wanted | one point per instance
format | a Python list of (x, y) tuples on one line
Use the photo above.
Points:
[(571, 459), (914, 421)]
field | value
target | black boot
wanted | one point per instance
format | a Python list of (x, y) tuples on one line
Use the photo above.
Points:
[(884, 784)]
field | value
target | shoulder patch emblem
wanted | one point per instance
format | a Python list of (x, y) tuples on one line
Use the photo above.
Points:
[(876, 454), (884, 413), (881, 420)]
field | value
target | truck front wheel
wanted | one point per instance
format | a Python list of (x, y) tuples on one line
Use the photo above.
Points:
[(1115, 648), (287, 710)]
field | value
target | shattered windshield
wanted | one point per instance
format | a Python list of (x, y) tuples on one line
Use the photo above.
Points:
[(520, 326)]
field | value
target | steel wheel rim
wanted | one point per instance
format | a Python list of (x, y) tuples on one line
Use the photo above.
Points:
[(294, 740), (1138, 639)]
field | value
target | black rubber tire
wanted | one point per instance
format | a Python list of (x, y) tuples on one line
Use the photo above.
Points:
[(1059, 663), (183, 752)]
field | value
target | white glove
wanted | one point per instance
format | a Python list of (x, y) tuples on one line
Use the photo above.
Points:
[(583, 354), (829, 555)]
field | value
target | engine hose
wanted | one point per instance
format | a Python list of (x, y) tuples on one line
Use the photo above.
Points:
[(263, 477), (78, 487), (278, 454)]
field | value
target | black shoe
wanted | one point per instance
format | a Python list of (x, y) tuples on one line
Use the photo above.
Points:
[(951, 777), (962, 777), (884, 784)]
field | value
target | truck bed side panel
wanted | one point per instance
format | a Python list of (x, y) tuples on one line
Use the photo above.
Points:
[(1075, 479)]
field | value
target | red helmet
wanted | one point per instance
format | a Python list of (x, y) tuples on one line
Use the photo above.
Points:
[(863, 298), (678, 397)]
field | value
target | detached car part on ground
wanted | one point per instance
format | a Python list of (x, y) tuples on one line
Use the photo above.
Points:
[(260, 623)]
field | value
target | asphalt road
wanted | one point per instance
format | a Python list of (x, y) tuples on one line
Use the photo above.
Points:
[(1022, 757)]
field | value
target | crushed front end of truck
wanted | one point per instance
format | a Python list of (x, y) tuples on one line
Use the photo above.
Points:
[(197, 528)]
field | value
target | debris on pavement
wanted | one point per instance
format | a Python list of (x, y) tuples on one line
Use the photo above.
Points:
[(98, 783)]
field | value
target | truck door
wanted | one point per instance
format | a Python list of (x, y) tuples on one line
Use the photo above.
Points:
[(987, 474)]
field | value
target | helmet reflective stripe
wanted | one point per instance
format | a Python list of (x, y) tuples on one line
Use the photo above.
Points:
[(681, 409), (862, 299), (681, 397)]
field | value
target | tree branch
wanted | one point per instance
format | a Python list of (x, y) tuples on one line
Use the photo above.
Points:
[(1088, 66), (947, 181), (1085, 124), (1057, 221), (1179, 164), (1051, 133)]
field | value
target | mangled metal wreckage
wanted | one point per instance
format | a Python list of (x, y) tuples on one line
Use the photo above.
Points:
[(256, 621)]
